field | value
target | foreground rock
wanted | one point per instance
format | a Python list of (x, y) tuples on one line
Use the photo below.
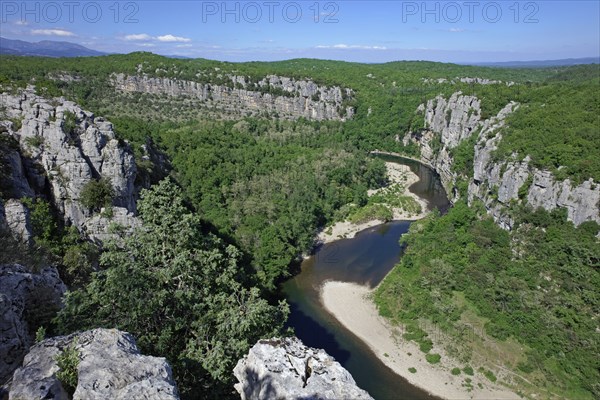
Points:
[(110, 367), (287, 369), (23, 294)]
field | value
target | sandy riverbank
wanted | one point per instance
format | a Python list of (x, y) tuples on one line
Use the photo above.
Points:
[(397, 175), (350, 304)]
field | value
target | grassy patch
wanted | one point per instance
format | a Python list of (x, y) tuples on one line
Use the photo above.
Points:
[(371, 212)]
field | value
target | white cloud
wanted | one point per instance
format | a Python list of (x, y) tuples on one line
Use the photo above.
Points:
[(350, 47), (21, 22), (147, 44), (456, 30), (183, 45), (139, 36), (52, 32), (171, 38)]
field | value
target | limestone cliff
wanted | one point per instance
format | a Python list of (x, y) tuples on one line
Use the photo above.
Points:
[(57, 149), (497, 183), (286, 97), (287, 369)]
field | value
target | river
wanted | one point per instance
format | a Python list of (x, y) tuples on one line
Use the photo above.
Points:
[(365, 259)]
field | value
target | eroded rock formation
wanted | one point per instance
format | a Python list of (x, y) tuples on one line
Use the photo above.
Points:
[(287, 369), (59, 148), (110, 367), (289, 98), (448, 122)]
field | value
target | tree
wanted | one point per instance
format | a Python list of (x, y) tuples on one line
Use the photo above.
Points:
[(180, 292), (97, 194)]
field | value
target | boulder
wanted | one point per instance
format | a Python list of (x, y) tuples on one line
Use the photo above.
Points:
[(287, 369), (110, 367)]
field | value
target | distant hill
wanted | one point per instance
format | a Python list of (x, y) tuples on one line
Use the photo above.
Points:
[(540, 63), (45, 48)]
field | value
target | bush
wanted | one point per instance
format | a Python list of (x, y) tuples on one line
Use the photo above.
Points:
[(490, 375), (412, 370), (68, 361), (455, 371), (433, 358), (70, 123), (468, 370), (97, 194)]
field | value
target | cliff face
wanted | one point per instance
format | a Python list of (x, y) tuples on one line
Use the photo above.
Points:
[(287, 369), (23, 292), (497, 183), (287, 97), (57, 149)]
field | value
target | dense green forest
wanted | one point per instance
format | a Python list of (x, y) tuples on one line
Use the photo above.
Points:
[(561, 104), (537, 285), (245, 197)]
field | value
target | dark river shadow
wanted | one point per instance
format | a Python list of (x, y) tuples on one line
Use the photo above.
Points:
[(366, 260)]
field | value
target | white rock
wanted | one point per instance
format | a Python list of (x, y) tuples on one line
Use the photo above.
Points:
[(287, 369)]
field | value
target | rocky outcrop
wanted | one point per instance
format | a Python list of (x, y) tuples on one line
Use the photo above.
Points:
[(60, 149), (497, 183), (289, 98), (22, 294), (110, 367), (287, 369), (446, 122), (17, 220)]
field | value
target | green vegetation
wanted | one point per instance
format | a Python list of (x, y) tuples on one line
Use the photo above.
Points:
[(569, 106), (371, 212), (433, 358), (34, 141), (97, 194), (40, 334), (565, 98), (412, 370), (550, 264), (268, 184), (455, 371), (68, 361), (489, 374), (181, 291), (191, 285)]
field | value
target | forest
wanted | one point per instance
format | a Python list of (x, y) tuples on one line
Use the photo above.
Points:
[(241, 200)]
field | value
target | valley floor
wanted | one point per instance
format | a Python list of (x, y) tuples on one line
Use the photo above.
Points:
[(352, 306)]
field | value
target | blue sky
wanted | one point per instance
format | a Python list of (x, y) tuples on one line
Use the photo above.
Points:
[(366, 31)]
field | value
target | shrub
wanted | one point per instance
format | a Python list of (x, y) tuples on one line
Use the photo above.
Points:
[(468, 370), (35, 141), (70, 123), (455, 371), (490, 375), (412, 370), (97, 194), (433, 358), (67, 361)]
